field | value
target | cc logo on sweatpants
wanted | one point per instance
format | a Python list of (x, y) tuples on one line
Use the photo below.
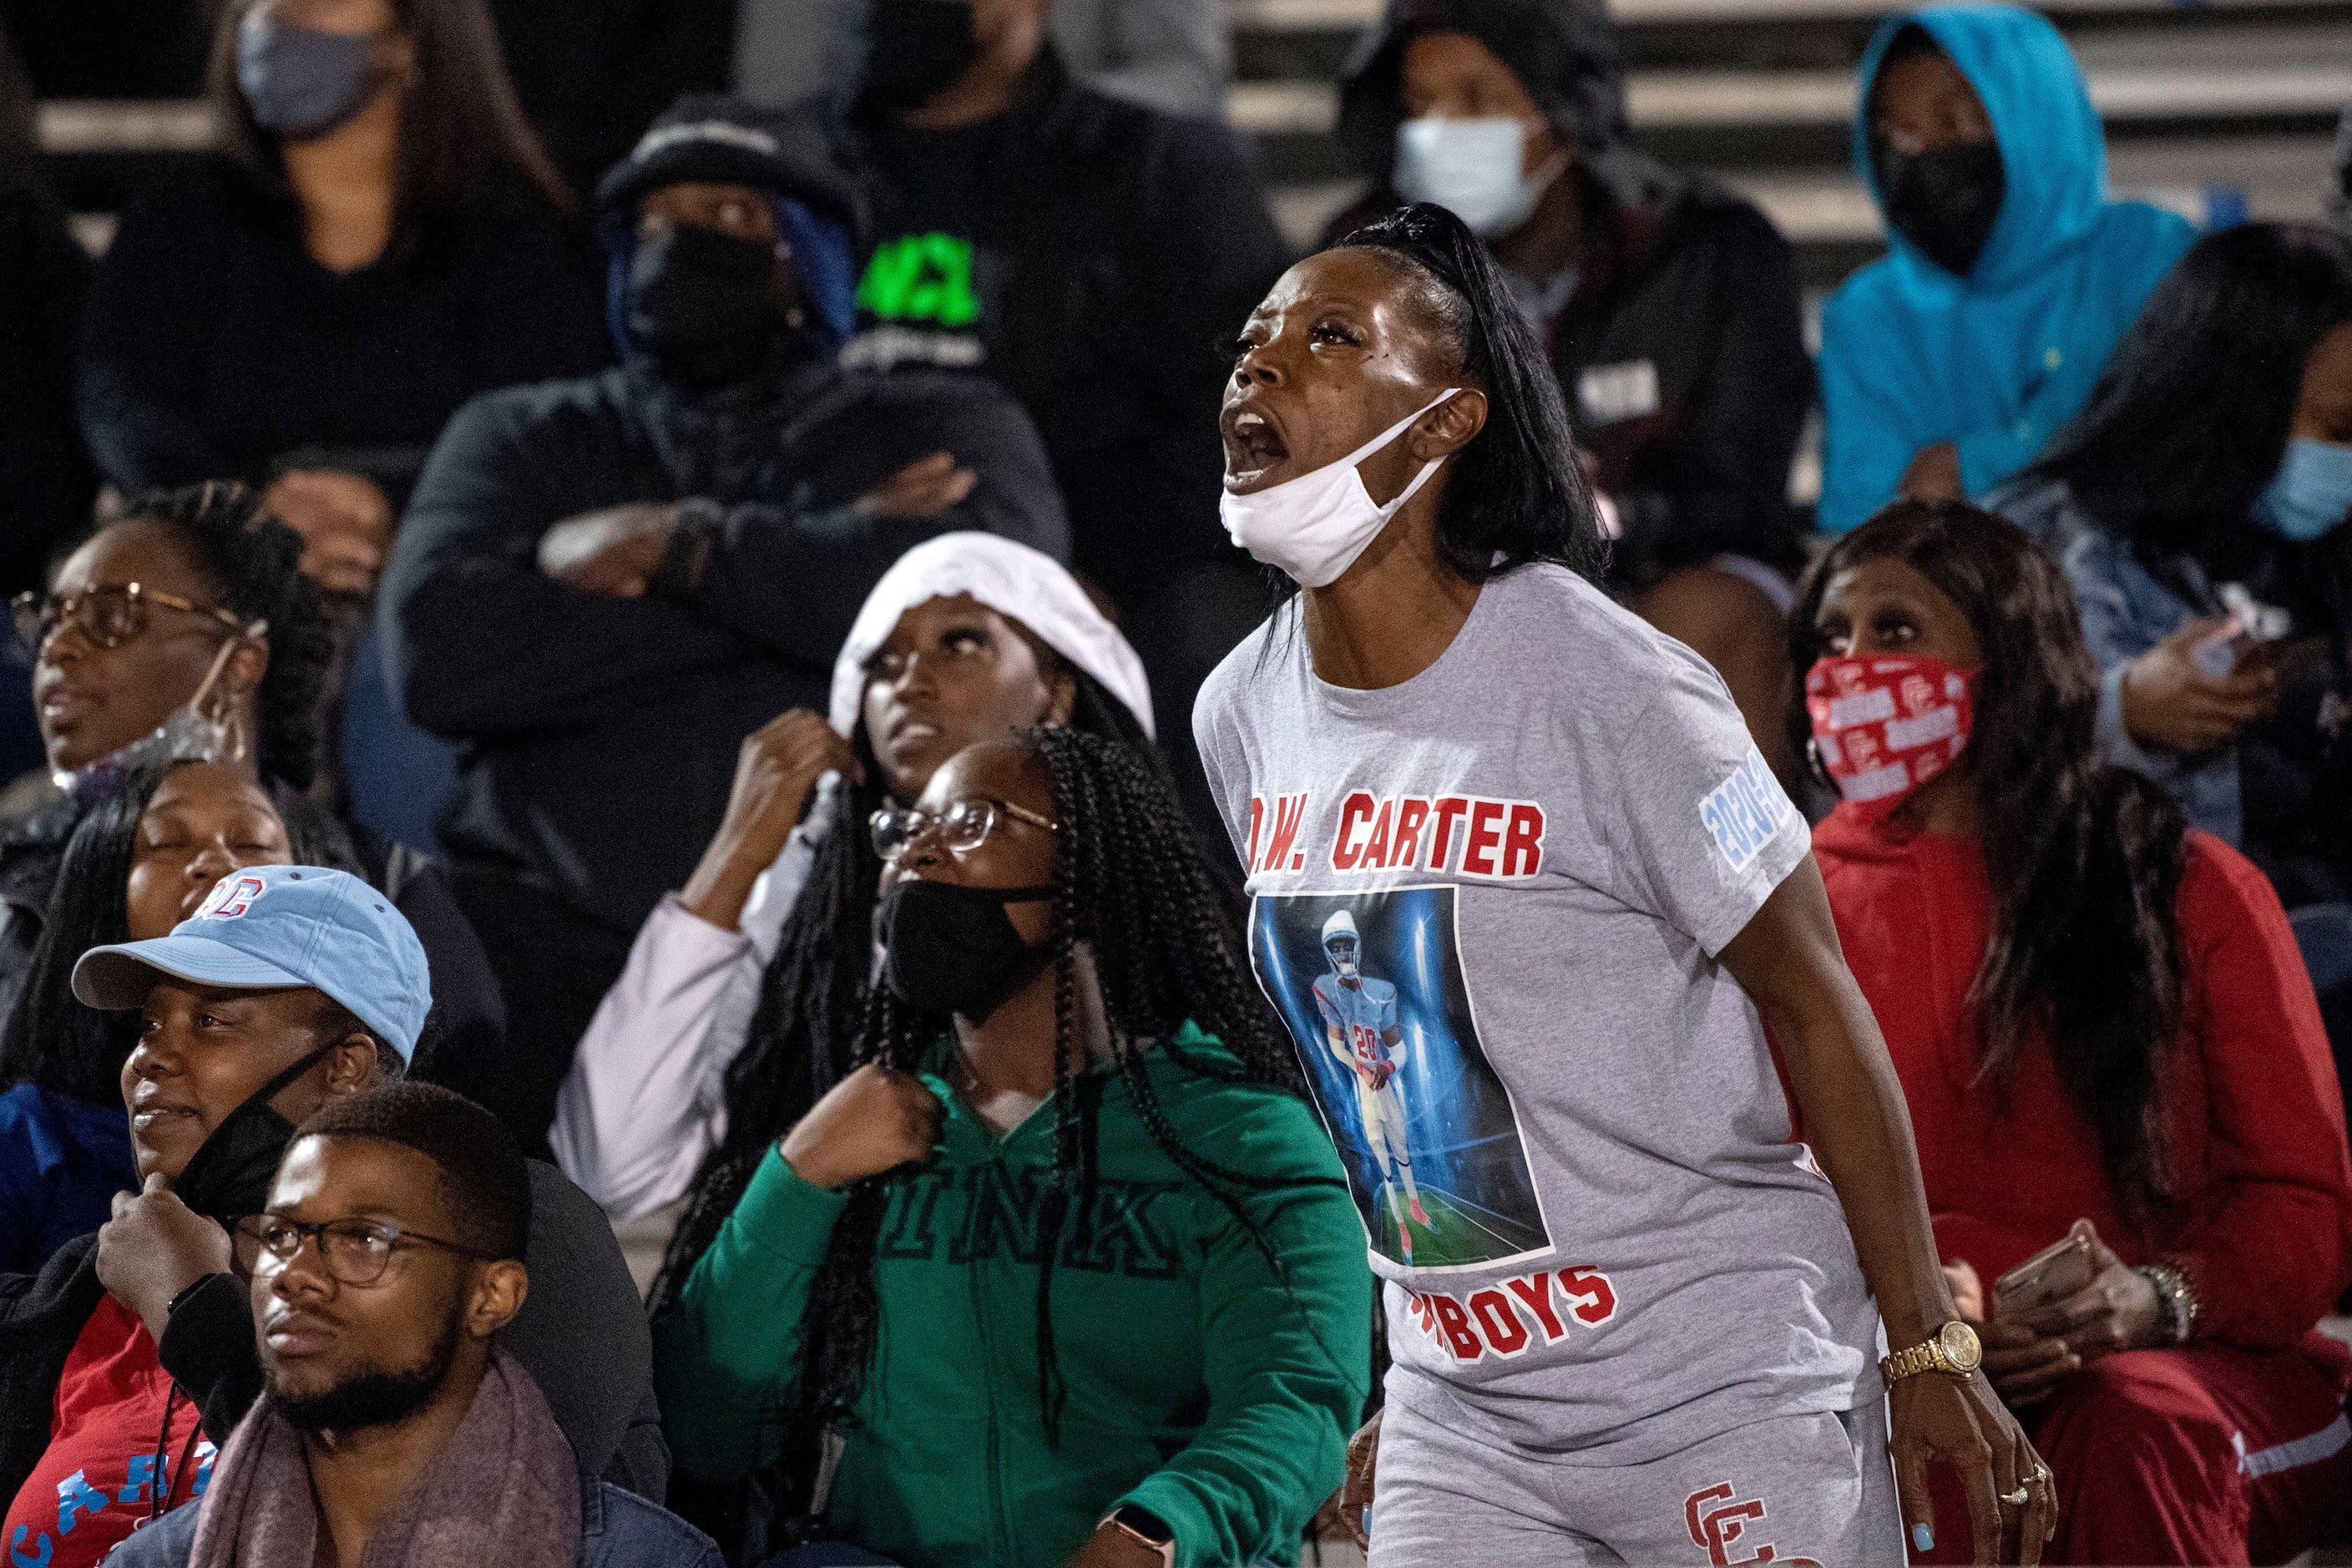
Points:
[(1719, 1521)]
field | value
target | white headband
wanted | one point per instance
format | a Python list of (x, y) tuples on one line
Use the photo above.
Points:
[(1015, 581)]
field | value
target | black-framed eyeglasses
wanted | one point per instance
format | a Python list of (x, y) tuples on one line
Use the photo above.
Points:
[(964, 826), (355, 1251), (108, 615)]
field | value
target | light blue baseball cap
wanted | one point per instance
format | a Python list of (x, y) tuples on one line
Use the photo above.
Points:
[(268, 927)]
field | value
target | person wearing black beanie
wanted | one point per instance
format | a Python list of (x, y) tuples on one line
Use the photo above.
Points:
[(605, 584)]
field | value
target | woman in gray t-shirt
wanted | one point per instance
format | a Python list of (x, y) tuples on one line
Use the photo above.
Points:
[(1521, 886)]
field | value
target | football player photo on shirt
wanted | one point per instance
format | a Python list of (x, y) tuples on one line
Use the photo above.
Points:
[(1372, 989)]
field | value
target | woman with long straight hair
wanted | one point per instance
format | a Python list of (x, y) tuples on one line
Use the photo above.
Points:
[(2198, 505), (1062, 1272), (382, 239), (1528, 896), (2108, 1044)]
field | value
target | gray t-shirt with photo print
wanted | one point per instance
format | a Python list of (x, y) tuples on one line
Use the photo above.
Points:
[(1488, 902)]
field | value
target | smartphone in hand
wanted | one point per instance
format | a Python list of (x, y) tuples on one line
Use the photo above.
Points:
[(2053, 1274)]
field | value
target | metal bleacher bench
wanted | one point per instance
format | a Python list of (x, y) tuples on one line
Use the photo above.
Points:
[(2220, 108)]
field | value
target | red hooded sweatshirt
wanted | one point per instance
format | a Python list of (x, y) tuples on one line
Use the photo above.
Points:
[(2262, 1221)]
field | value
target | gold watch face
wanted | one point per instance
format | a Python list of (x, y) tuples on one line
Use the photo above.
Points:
[(1961, 1346)]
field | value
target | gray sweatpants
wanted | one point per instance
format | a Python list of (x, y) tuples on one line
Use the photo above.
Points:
[(1797, 1489)]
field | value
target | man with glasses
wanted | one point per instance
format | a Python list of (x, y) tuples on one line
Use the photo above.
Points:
[(397, 1428), (131, 1354)]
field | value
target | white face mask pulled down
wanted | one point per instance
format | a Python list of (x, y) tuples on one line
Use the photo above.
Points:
[(204, 729), (1315, 526)]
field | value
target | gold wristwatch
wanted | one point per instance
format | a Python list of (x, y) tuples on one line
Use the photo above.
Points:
[(1953, 1349)]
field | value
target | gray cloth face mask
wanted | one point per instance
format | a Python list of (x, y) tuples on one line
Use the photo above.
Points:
[(300, 82)]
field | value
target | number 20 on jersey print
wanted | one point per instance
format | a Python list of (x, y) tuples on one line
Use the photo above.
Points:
[(1370, 985)]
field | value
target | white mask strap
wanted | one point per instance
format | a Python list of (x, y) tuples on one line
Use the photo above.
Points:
[(1393, 431)]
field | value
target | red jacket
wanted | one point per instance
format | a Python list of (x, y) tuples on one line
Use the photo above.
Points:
[(2262, 1225)]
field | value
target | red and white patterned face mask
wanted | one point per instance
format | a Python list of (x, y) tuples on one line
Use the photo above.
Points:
[(1886, 724)]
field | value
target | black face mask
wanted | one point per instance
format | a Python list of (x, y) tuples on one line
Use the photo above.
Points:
[(1944, 200), (950, 949), (703, 303), (918, 48), (229, 1174)]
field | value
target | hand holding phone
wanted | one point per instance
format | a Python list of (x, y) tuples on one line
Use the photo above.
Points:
[(2053, 1274)]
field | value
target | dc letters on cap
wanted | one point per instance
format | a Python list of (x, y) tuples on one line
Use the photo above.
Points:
[(231, 897)]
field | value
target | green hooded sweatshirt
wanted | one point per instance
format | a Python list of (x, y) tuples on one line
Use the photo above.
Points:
[(1198, 1386)]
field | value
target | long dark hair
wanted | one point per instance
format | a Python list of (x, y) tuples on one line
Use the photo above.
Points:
[(1517, 494), (51, 1039), (255, 563), (2190, 419), (463, 135), (1161, 959), (814, 993), (2085, 859)]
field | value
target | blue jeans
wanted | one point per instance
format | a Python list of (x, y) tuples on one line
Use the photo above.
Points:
[(827, 1554)]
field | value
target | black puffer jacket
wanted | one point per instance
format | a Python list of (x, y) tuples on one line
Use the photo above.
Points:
[(1682, 349)]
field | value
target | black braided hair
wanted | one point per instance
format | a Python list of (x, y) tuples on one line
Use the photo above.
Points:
[(812, 994), (255, 565), (51, 1038), (1159, 961)]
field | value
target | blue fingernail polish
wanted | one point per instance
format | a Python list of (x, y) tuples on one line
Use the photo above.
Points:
[(1923, 1538), (1368, 1521)]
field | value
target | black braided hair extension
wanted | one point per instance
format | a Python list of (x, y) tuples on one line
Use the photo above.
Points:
[(812, 994), (1161, 959)]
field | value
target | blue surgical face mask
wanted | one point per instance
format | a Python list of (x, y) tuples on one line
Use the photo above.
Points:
[(300, 82), (1472, 168), (2310, 493)]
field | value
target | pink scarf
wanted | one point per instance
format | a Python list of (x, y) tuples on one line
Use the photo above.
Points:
[(507, 1487)]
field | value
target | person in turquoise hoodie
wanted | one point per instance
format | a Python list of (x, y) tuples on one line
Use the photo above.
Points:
[(1065, 1272), (2011, 277)]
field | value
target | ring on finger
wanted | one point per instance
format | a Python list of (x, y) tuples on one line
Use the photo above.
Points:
[(2016, 1499)]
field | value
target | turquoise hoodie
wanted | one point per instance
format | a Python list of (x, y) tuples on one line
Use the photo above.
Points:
[(1995, 362)]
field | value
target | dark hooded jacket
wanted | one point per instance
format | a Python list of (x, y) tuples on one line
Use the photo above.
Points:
[(1097, 259), (600, 733), (1681, 350)]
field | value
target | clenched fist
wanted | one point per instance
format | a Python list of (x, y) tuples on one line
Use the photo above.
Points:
[(876, 1119)]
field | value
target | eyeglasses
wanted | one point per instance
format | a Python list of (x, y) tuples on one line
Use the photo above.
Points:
[(108, 617), (355, 1251), (963, 826)]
